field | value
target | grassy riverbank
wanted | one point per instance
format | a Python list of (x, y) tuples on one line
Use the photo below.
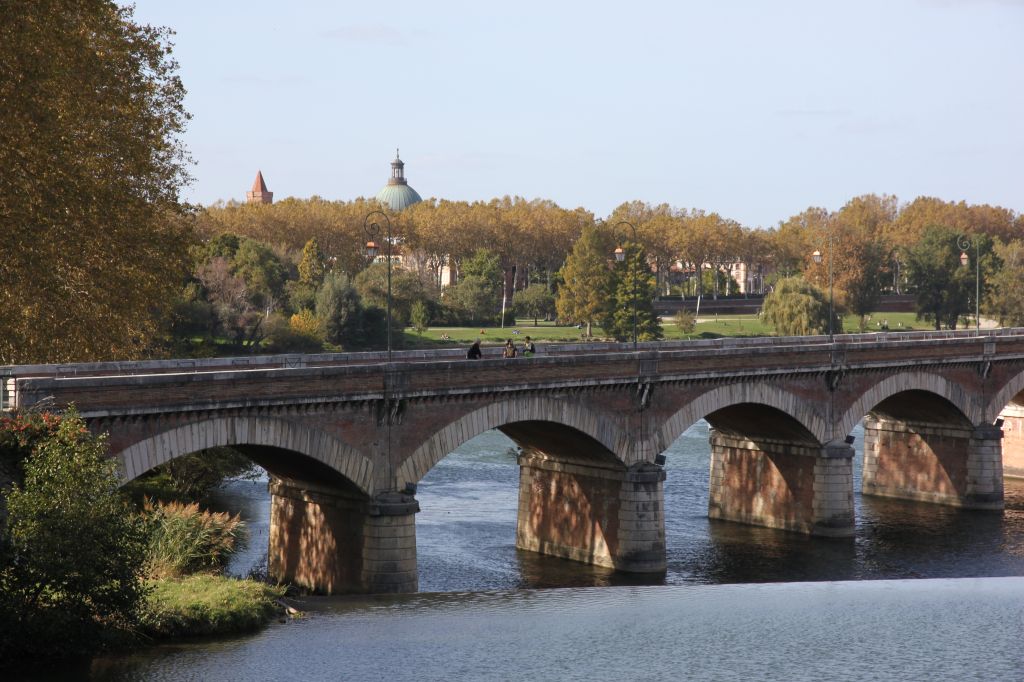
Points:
[(200, 605)]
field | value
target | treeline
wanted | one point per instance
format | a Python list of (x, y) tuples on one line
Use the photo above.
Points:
[(872, 245)]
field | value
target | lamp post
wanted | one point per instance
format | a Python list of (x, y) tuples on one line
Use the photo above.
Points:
[(964, 245), (620, 256), (372, 230), (817, 259)]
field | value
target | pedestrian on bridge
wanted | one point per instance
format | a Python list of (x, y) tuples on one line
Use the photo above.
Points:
[(510, 349), (474, 351)]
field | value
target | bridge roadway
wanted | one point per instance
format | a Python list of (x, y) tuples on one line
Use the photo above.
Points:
[(346, 437)]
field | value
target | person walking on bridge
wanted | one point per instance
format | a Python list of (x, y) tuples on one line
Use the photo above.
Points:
[(510, 349), (474, 351)]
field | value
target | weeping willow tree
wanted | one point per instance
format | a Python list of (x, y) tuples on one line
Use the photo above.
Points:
[(798, 308)]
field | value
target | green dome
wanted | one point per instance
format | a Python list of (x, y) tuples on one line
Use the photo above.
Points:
[(398, 197), (397, 194)]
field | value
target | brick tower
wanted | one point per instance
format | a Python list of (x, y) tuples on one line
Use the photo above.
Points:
[(259, 194)]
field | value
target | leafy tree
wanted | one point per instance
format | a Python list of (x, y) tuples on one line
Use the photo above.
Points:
[(311, 267), (534, 301), (633, 283), (583, 296), (420, 317), (74, 552), (1005, 300), (262, 271), (338, 305), (942, 286), (797, 308), (474, 300), (406, 288), (94, 236)]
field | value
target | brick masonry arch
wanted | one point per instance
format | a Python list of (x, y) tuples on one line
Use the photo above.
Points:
[(563, 412), (1002, 398), (909, 381), (142, 456), (715, 399)]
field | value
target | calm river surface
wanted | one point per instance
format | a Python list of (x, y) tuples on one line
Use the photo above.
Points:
[(484, 612)]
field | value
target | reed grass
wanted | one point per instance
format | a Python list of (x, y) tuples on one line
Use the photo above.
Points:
[(185, 539)]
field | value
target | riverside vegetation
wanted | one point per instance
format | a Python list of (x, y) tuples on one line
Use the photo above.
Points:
[(83, 568)]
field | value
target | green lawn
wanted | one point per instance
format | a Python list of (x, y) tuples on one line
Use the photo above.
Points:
[(712, 326)]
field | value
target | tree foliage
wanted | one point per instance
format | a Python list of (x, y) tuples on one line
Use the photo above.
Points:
[(338, 305), (94, 237), (1005, 298), (797, 308), (632, 283), (311, 267), (534, 301), (943, 288), (583, 296), (74, 551)]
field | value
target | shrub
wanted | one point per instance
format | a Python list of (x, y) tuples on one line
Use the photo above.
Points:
[(686, 321), (72, 553), (185, 540)]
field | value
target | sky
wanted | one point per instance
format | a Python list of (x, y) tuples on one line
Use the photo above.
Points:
[(754, 109)]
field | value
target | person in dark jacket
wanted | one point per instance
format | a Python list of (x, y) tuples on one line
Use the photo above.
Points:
[(474, 351), (528, 348)]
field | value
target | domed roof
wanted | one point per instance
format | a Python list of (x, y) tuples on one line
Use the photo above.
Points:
[(398, 197), (397, 194)]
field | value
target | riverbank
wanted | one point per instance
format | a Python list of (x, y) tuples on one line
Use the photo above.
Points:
[(203, 605)]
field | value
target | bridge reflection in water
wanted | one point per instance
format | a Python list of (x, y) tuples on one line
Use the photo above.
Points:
[(347, 437)]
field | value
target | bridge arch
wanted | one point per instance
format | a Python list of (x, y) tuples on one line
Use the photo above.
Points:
[(569, 414), (904, 382), (1006, 395), (732, 395), (270, 432)]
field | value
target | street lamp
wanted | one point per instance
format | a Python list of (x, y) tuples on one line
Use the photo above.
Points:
[(372, 230), (817, 259), (965, 245), (620, 256)]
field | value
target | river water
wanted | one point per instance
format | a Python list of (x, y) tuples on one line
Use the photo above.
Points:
[(841, 609)]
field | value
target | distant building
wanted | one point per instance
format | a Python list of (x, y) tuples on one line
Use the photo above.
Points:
[(397, 194), (259, 194)]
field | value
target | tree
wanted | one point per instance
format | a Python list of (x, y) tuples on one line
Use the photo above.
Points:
[(942, 286), (338, 305), (633, 283), (1005, 300), (74, 551), (311, 267), (797, 308), (534, 301), (406, 288), (94, 236), (583, 296), (420, 317)]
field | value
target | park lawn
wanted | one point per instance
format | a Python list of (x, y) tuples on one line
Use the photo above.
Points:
[(707, 327)]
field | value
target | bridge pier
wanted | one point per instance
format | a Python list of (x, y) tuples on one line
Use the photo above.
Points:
[(594, 513), (951, 464), (781, 484), (334, 541)]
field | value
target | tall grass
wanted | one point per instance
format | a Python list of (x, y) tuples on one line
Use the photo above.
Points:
[(186, 540)]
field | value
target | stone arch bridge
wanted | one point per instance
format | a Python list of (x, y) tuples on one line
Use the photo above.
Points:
[(346, 437)]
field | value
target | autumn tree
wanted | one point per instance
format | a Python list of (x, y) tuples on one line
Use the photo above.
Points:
[(584, 294), (94, 236), (311, 267)]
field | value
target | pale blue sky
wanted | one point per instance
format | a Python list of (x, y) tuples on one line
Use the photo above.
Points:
[(756, 110)]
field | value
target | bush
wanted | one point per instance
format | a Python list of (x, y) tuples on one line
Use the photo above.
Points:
[(185, 540), (72, 553), (686, 321), (284, 337)]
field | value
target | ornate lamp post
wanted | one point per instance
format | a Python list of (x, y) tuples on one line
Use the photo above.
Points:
[(620, 256), (372, 230), (964, 245), (817, 259)]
